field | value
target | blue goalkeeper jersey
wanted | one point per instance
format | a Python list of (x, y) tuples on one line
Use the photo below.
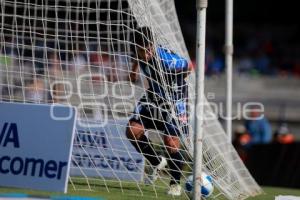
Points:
[(168, 77)]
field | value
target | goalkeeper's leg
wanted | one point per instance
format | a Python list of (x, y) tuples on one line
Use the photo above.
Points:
[(136, 134), (142, 119), (176, 161), (172, 143)]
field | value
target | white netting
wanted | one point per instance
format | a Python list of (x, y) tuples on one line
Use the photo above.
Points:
[(81, 53)]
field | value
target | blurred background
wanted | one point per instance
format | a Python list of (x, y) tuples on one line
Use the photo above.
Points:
[(266, 65), (266, 55)]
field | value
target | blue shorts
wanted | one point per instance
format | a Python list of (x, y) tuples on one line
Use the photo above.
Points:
[(156, 114)]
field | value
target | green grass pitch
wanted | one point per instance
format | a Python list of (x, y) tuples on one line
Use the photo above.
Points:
[(130, 191)]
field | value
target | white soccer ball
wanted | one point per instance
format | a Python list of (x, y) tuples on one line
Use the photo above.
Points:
[(207, 186)]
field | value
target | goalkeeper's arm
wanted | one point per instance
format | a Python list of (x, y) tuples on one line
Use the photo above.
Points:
[(133, 75)]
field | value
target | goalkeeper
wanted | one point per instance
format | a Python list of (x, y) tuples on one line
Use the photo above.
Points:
[(162, 107)]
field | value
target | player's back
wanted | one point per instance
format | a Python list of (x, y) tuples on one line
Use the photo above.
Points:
[(166, 73)]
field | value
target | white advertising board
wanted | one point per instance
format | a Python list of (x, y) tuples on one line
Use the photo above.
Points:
[(35, 145), (106, 152)]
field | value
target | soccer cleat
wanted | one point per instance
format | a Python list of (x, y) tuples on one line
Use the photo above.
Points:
[(155, 170), (174, 190)]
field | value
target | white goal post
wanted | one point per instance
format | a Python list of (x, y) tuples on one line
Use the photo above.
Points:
[(81, 53)]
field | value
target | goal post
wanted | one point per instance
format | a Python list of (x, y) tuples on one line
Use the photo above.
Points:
[(199, 102), (228, 50), (83, 53)]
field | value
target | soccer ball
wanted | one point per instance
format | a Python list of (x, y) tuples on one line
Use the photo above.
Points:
[(207, 186)]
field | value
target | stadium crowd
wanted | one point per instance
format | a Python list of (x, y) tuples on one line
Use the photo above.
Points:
[(25, 67), (255, 54)]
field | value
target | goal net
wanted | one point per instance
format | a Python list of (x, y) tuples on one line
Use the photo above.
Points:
[(81, 53)]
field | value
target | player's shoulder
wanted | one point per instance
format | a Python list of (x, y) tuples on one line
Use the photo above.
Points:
[(163, 51), (167, 54)]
